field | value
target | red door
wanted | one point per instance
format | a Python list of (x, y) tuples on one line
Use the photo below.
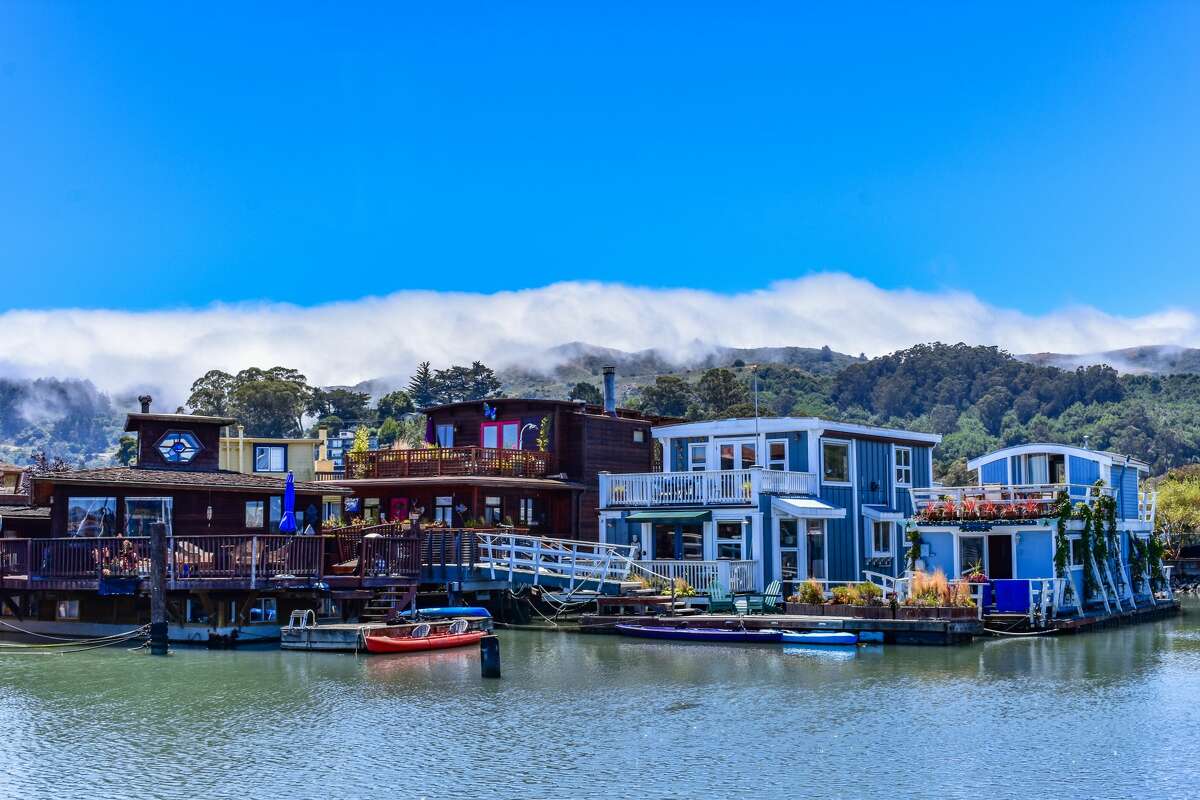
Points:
[(398, 510)]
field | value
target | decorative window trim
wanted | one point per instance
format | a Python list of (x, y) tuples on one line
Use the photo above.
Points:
[(178, 447), (849, 461)]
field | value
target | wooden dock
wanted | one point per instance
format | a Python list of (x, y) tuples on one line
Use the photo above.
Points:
[(889, 631)]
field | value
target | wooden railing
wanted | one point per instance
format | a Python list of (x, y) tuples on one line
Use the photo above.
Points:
[(732, 576), (334, 475), (710, 487), (432, 462)]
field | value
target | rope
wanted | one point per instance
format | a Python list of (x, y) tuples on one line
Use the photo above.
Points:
[(68, 642), (75, 646)]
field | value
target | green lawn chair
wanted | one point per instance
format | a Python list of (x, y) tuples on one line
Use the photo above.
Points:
[(719, 601), (767, 602)]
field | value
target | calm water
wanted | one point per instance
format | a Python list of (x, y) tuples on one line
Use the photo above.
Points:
[(1113, 714)]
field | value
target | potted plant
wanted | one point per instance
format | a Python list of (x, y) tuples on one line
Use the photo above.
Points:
[(808, 600)]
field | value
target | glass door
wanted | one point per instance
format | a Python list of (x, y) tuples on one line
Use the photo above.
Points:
[(738, 455), (730, 541), (500, 434), (789, 555), (691, 542), (816, 549)]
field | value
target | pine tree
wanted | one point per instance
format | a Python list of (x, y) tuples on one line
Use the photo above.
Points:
[(421, 388)]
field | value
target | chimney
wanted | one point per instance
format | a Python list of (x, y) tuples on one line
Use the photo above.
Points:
[(610, 390), (145, 401)]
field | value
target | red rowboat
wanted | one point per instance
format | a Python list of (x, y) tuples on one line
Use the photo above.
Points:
[(422, 638)]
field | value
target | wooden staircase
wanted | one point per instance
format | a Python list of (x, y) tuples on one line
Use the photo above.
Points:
[(388, 601)]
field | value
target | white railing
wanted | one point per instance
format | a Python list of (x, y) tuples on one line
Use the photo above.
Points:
[(732, 576), (889, 585), (532, 559), (710, 487), (1147, 507), (954, 504)]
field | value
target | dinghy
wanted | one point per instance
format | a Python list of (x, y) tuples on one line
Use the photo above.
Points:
[(698, 634), (824, 638), (449, 611), (422, 637)]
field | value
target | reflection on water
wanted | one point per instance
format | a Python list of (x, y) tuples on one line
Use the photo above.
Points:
[(1110, 714)]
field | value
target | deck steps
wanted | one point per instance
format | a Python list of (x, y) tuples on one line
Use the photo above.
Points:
[(386, 601)]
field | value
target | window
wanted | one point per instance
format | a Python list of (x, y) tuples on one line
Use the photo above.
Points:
[(881, 538), (254, 513), (67, 609), (274, 513), (492, 511), (729, 540), (835, 462), (143, 513), (697, 456), (263, 610), (445, 435), (639, 435), (91, 516), (270, 458), (970, 554), (1076, 552), (777, 454), (904, 466), (500, 434), (815, 534), (738, 455), (525, 512), (179, 447), (789, 555), (443, 511), (331, 511)]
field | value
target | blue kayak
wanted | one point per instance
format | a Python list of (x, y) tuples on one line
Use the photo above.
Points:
[(697, 634), (820, 637), (450, 611)]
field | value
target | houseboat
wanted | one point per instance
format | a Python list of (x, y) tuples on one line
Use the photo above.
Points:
[(744, 502), (530, 464), (76, 563), (1048, 531)]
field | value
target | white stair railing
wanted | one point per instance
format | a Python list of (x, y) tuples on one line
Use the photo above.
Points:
[(531, 559)]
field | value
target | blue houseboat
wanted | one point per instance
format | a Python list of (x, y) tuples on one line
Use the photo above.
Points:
[(743, 502), (1048, 528)]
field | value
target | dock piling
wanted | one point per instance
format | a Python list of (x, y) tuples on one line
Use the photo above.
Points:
[(158, 590), (489, 657)]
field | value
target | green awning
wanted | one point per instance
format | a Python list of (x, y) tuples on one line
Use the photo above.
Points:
[(670, 517)]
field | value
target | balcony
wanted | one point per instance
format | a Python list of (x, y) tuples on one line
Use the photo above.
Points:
[(436, 462), (711, 487), (955, 505)]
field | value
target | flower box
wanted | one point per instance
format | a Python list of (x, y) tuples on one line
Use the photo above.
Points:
[(935, 612), (805, 609)]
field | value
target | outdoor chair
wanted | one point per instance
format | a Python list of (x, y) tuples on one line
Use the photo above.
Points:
[(719, 601)]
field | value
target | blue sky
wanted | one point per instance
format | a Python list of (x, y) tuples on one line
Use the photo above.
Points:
[(157, 157)]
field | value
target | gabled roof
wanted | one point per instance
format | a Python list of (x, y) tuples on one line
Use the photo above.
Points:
[(1104, 457)]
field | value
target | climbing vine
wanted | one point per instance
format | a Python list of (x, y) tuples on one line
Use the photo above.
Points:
[(1156, 548), (1062, 547), (1087, 547), (1138, 560), (914, 547)]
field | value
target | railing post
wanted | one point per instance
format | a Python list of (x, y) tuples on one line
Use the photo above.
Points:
[(254, 562)]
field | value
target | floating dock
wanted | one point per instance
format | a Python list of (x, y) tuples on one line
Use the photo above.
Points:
[(889, 631)]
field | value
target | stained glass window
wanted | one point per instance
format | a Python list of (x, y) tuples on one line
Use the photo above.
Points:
[(179, 447)]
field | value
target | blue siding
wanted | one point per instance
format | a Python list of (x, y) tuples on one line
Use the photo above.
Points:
[(1083, 472), (840, 539), (1035, 554), (874, 472), (994, 471), (941, 552), (797, 449), (1125, 481), (1016, 470), (921, 476)]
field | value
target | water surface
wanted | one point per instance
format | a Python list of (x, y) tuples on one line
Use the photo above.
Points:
[(1111, 714)]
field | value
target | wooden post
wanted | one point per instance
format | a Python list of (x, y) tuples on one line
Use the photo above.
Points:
[(489, 657), (158, 590)]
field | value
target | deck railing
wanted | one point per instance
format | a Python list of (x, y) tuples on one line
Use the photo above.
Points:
[(732, 576), (710, 487), (433, 462), (953, 505)]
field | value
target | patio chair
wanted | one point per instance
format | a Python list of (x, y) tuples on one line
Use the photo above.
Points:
[(766, 602), (719, 601)]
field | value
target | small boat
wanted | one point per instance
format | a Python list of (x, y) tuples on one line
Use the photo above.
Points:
[(449, 611), (422, 637), (823, 638), (737, 635)]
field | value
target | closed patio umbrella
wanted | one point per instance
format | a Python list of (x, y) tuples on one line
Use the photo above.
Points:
[(287, 523)]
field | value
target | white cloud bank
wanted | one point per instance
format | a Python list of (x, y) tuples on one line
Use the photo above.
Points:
[(344, 343)]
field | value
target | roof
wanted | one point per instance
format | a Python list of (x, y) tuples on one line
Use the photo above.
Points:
[(460, 480), (807, 507), (6, 467), (182, 419), (883, 513), (669, 517), (224, 480), (750, 426), (269, 440), (25, 512), (1105, 457), (571, 405)]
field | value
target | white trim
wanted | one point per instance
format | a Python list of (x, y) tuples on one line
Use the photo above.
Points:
[(806, 508), (876, 552), (878, 513), (787, 453), (690, 464), (748, 426), (849, 443), (1105, 459), (896, 448)]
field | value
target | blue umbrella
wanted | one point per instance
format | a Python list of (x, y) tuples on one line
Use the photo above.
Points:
[(288, 523)]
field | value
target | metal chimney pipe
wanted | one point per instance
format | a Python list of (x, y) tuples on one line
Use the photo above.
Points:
[(145, 401), (610, 391)]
